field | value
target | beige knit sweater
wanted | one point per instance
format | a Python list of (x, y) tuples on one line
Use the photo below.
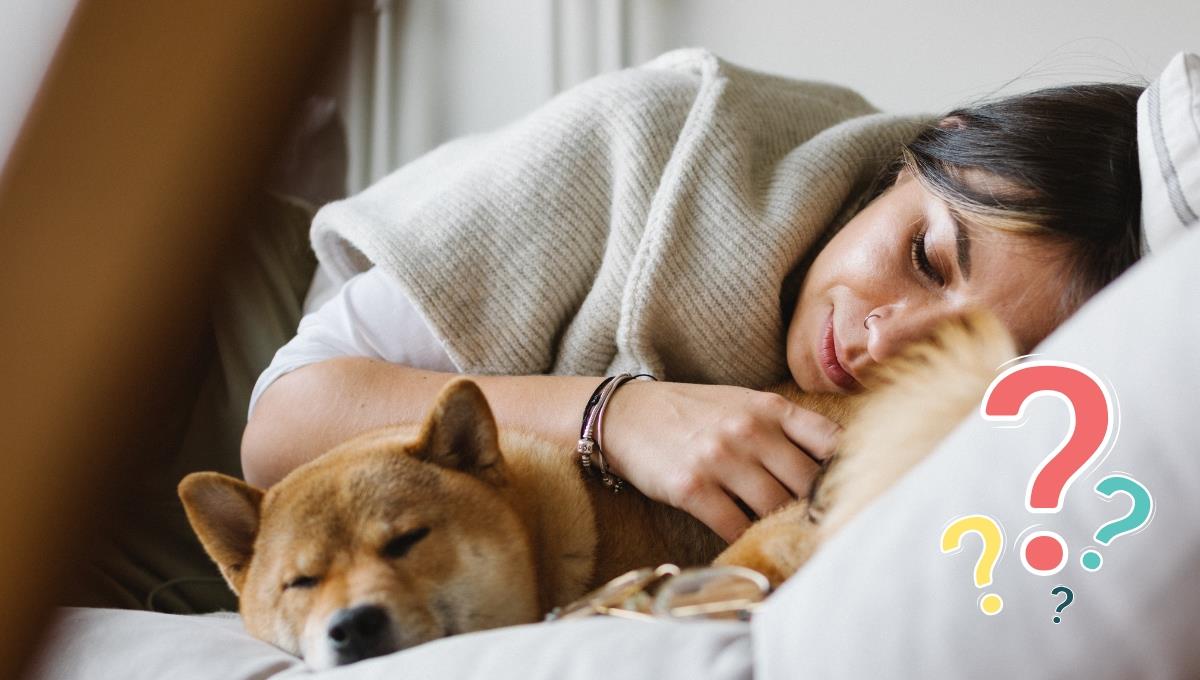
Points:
[(642, 221)]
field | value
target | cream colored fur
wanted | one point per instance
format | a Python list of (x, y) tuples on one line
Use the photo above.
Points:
[(928, 390)]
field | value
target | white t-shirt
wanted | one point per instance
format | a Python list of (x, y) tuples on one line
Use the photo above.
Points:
[(369, 316)]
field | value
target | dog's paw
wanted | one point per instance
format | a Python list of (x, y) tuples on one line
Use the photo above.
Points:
[(776, 545)]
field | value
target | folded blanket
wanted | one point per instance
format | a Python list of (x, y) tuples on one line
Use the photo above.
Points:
[(644, 221)]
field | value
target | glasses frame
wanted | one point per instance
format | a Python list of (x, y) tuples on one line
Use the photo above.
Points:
[(647, 594)]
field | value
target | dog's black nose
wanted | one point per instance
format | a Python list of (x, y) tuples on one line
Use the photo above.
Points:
[(357, 633)]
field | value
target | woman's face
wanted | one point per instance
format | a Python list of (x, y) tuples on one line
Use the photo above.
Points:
[(904, 262)]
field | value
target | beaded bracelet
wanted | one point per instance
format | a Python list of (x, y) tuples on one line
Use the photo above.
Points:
[(590, 437)]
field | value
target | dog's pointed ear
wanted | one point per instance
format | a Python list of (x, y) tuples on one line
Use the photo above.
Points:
[(460, 432), (224, 513)]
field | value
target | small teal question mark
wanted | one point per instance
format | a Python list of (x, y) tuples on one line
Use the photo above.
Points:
[(1069, 599), (1139, 515)]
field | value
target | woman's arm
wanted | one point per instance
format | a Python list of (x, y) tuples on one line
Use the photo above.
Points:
[(696, 447), (308, 411)]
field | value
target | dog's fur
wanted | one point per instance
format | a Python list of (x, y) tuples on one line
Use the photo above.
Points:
[(455, 526)]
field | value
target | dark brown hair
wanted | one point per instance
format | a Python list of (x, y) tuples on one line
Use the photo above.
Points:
[(1060, 163)]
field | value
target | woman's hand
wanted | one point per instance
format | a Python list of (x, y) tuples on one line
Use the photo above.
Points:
[(698, 447)]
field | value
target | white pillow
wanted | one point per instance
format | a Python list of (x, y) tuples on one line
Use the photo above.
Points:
[(87, 644), (1169, 151)]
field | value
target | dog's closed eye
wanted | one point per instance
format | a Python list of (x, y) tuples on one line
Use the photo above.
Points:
[(301, 582), (400, 545)]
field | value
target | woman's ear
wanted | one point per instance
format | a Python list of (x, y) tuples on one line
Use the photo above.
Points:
[(952, 123)]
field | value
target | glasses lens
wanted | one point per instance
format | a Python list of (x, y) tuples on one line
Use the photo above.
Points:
[(712, 592)]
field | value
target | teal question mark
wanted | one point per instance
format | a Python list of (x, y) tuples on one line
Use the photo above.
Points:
[(1139, 515), (1069, 599)]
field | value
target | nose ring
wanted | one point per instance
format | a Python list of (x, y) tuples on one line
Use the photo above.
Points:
[(868, 319)]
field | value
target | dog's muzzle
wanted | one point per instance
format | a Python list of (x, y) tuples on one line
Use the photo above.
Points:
[(358, 633)]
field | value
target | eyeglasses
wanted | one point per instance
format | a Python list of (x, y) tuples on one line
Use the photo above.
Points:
[(721, 592)]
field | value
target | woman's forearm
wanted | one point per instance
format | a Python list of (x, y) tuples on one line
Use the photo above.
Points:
[(308, 411), (697, 447)]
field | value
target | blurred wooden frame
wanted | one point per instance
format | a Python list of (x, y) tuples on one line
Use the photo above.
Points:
[(155, 121)]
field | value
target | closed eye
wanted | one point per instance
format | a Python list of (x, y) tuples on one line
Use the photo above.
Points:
[(920, 259), (400, 545), (301, 582)]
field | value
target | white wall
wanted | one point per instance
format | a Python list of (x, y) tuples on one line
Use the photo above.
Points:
[(452, 67), (933, 54), (472, 65), (29, 33)]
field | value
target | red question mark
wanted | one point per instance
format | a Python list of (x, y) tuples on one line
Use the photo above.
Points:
[(1045, 552)]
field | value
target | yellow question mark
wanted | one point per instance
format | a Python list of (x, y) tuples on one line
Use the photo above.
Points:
[(993, 541)]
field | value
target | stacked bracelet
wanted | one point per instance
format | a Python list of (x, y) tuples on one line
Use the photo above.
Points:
[(589, 448)]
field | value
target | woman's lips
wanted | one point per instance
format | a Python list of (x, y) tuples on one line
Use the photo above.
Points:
[(827, 353)]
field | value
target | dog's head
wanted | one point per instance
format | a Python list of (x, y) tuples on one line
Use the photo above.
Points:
[(392, 539)]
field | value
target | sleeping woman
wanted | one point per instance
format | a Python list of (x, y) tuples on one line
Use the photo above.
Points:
[(715, 227)]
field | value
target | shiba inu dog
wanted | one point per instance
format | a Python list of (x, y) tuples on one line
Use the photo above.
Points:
[(408, 534)]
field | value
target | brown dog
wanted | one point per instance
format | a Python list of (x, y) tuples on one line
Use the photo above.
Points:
[(404, 535)]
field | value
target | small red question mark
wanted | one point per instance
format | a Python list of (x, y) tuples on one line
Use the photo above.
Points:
[(1087, 398)]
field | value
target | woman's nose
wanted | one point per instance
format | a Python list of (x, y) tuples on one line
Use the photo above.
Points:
[(890, 328)]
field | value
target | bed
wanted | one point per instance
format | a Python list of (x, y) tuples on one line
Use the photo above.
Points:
[(882, 598)]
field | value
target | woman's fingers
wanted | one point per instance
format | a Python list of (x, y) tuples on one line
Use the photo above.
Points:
[(717, 510), (811, 431), (793, 468), (758, 489)]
